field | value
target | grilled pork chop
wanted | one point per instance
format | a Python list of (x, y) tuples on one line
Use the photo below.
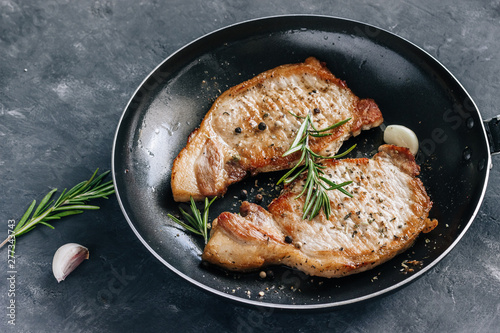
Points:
[(249, 127), (387, 212)]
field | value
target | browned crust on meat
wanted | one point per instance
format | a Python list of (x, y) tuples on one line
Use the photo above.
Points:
[(247, 226), (254, 239), (224, 165), (237, 240), (401, 157)]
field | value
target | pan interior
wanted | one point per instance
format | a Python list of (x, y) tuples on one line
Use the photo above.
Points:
[(411, 88)]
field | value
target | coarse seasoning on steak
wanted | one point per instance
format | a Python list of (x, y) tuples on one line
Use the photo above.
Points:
[(249, 127), (387, 212)]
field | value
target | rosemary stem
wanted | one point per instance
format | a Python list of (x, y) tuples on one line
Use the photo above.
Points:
[(5, 241), (314, 188)]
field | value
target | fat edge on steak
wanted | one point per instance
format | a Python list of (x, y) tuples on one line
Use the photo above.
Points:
[(387, 212), (249, 127)]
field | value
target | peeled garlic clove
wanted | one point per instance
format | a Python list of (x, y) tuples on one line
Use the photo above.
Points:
[(401, 136), (67, 258)]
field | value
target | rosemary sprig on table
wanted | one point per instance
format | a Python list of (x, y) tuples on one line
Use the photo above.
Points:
[(69, 202), (198, 223), (316, 184)]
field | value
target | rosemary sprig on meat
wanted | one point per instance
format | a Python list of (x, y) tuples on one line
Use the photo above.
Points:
[(316, 184), (196, 223), (69, 203)]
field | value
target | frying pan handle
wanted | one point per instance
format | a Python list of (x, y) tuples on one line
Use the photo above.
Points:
[(493, 130)]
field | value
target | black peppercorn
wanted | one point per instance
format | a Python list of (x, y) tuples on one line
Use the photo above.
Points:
[(316, 110), (237, 129), (259, 198), (243, 194), (262, 126), (288, 239)]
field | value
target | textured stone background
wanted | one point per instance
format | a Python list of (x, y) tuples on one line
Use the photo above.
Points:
[(67, 70)]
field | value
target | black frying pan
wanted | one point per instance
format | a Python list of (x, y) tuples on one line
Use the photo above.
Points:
[(411, 88)]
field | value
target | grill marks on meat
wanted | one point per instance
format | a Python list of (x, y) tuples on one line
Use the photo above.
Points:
[(216, 155), (389, 209)]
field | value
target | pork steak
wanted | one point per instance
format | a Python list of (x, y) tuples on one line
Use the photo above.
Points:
[(387, 212)]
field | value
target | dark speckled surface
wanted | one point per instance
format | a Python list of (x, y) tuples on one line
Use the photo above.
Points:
[(67, 70)]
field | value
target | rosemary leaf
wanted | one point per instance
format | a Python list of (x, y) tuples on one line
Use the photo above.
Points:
[(25, 216), (186, 226), (48, 225), (45, 202), (66, 213), (340, 123), (191, 220)]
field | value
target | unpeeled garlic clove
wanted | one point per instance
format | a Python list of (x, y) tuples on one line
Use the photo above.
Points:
[(67, 258), (401, 136)]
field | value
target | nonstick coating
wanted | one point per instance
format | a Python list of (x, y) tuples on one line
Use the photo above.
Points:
[(410, 87)]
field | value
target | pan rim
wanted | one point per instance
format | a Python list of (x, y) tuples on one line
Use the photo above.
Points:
[(297, 306)]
